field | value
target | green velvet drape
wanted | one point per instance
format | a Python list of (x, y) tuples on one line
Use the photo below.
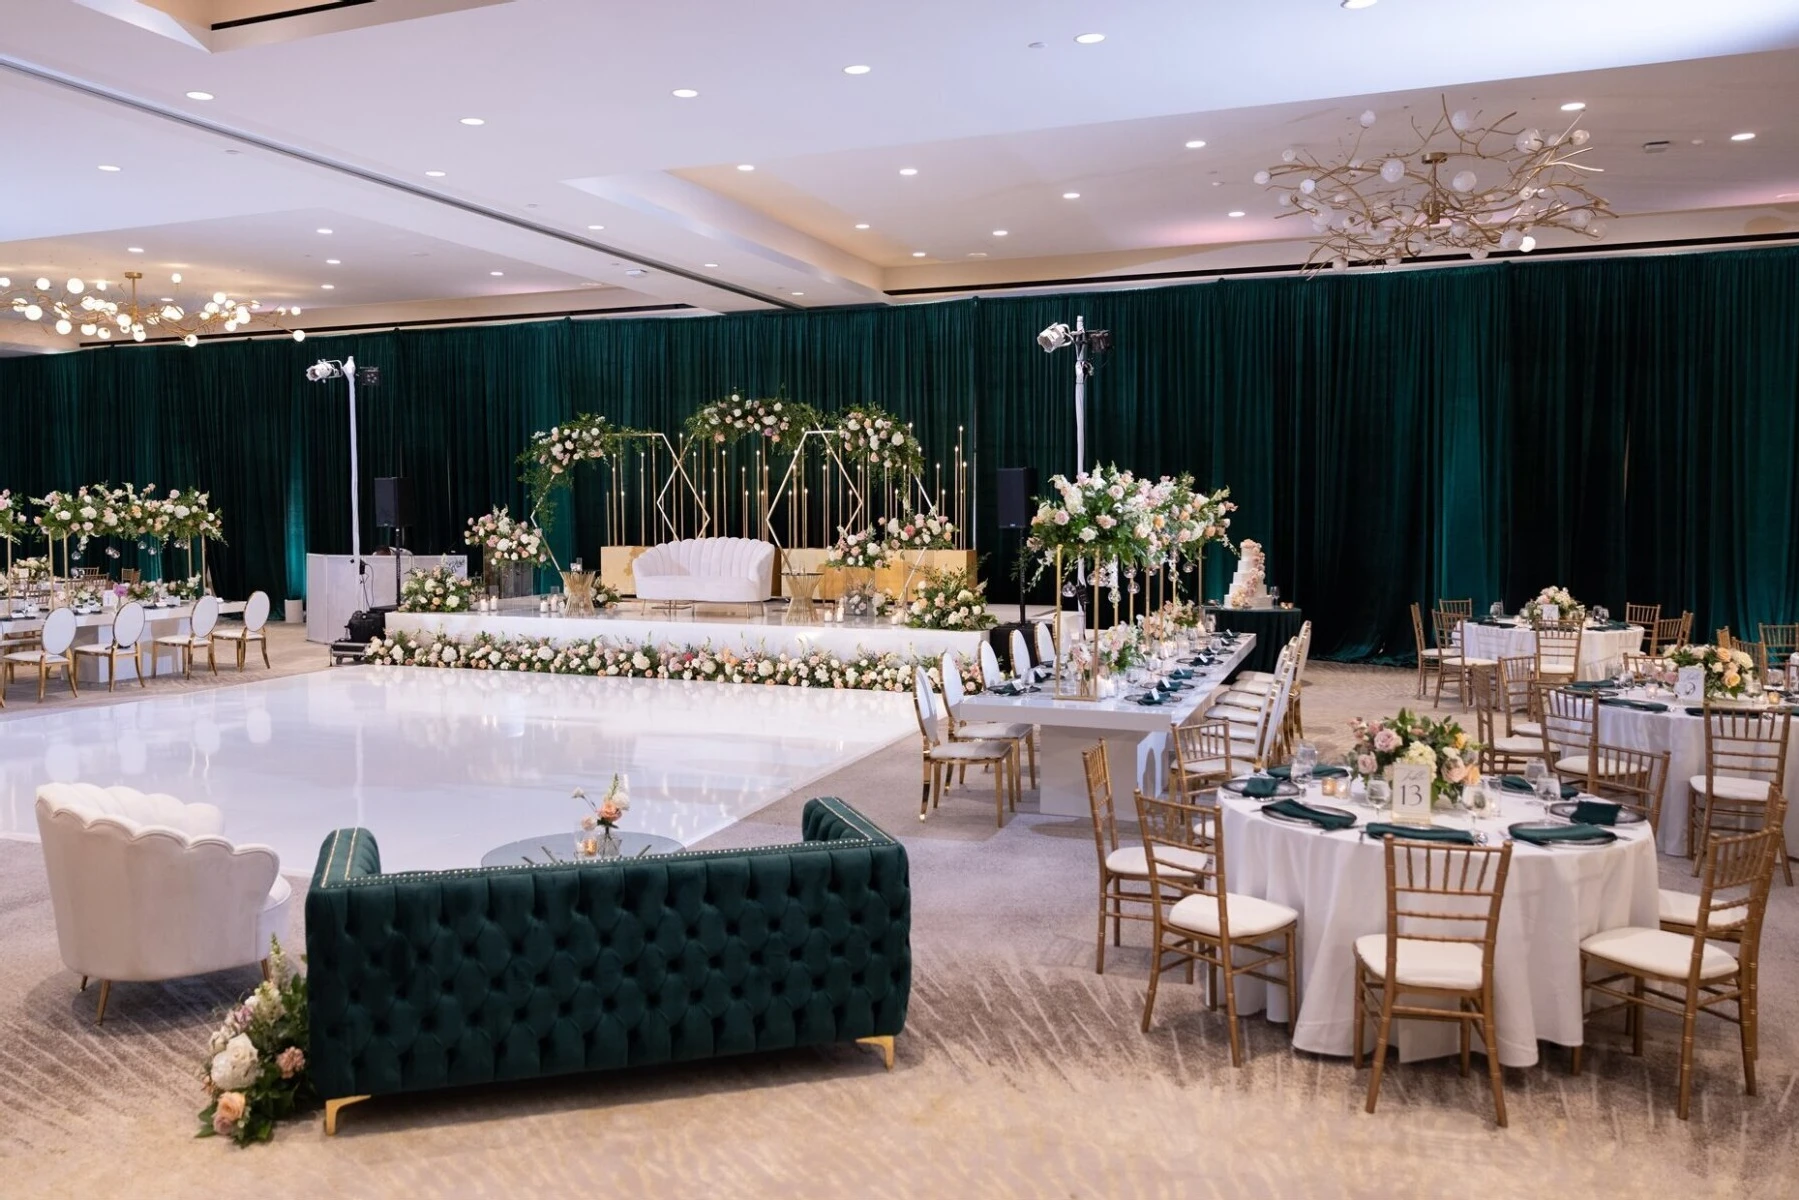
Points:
[(1624, 427)]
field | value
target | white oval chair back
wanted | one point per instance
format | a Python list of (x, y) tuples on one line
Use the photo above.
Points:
[(991, 675), (925, 702), (206, 616), (256, 611), (1021, 656), (128, 625), (952, 683), (1046, 644), (59, 632)]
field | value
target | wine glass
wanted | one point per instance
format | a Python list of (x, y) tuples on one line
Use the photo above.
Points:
[(1536, 773), (1274, 597), (1497, 610), (1380, 793), (1305, 757)]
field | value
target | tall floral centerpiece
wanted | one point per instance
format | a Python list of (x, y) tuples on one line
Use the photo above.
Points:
[(12, 524), (1416, 740), (505, 542), (1727, 672), (191, 520), (1568, 609), (255, 1067)]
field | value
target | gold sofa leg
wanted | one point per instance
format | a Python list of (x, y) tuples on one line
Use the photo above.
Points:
[(333, 1107), (884, 1044)]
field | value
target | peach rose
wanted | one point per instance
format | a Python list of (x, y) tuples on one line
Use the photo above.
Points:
[(232, 1106)]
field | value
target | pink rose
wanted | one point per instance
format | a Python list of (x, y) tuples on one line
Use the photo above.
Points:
[(291, 1061), (1365, 764), (610, 812), (1457, 773), (1386, 741)]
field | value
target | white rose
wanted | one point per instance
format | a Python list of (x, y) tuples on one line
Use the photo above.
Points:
[(235, 1067), (182, 510)]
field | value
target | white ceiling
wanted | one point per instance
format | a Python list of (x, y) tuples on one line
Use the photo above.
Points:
[(581, 130)]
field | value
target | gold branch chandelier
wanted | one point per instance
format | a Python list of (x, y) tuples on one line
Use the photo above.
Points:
[(89, 309), (1456, 186)]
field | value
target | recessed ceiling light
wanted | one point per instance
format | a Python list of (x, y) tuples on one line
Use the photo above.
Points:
[(323, 230), (1742, 137), (1090, 39), (473, 121), (329, 287), (108, 167), (684, 93), (711, 266), (496, 273), (798, 293), (435, 174), (1196, 144), (1352, 4), (333, 262), (999, 233), (1071, 195), (1574, 106), (858, 69), (1235, 212), (596, 227), (636, 272), (134, 249), (908, 170), (1036, 45), (746, 166), (199, 95), (918, 254), (977, 254), (862, 225)]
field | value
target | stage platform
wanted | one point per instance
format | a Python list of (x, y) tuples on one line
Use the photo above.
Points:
[(688, 628)]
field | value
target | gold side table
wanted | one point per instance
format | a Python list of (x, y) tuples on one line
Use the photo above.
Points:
[(800, 588)]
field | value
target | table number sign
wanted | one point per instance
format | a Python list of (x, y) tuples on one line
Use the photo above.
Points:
[(1551, 613), (1689, 685), (1411, 794)]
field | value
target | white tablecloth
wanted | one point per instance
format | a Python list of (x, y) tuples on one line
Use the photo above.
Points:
[(1683, 736), (1601, 650), (1337, 883)]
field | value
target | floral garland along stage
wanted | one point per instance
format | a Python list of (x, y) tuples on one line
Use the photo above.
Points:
[(1568, 608), (1416, 740), (255, 1067), (1727, 672), (603, 656), (438, 589)]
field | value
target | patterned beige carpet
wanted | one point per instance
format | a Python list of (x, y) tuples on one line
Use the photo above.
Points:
[(1021, 1073)]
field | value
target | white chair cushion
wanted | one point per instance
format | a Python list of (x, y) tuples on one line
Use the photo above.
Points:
[(1529, 729), (1250, 917), (1576, 764), (1657, 952), (183, 639), (35, 656), (1249, 677), (1469, 661), (1733, 788), (1422, 963), (1204, 766), (237, 634), (1251, 687), (1433, 653), (1230, 712), (1518, 744), (993, 729), (1682, 908), (971, 751), (1134, 861)]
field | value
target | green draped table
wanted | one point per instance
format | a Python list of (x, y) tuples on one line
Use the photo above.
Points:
[(1273, 627)]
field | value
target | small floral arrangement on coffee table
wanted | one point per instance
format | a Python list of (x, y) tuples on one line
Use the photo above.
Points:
[(1415, 740), (1727, 672), (255, 1068), (596, 839), (439, 589), (1568, 609)]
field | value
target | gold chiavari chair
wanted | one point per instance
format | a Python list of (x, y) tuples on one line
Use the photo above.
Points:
[(1462, 608), (1518, 695), (1755, 650), (942, 757), (1745, 770), (1667, 632), (1199, 920), (1453, 659), (1575, 754), (1202, 758), (1501, 753), (1124, 893), (1639, 664), (1779, 643), (1633, 779), (1558, 652), (1430, 659), (1646, 615), (1442, 922), (130, 575), (1733, 895)]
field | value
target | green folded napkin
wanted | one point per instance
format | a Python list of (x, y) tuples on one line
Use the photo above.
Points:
[(1149, 699), (1420, 833), (1596, 812), (1321, 771), (1695, 712), (1588, 685), (1259, 786), (1639, 705), (1545, 835), (1180, 673), (1329, 821), (1487, 621), (1517, 783), (1610, 626)]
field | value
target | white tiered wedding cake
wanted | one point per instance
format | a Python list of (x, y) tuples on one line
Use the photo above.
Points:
[(1249, 586)]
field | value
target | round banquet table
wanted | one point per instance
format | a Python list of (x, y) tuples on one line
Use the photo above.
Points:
[(1602, 651), (1683, 736), (1337, 883)]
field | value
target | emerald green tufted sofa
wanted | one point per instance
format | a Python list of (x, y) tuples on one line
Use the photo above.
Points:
[(433, 979)]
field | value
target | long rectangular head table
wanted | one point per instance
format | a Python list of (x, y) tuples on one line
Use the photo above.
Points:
[(1136, 735)]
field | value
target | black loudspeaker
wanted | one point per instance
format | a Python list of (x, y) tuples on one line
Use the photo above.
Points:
[(1016, 486), (393, 503)]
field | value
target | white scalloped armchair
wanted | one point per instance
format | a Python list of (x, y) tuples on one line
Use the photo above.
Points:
[(146, 888), (722, 570)]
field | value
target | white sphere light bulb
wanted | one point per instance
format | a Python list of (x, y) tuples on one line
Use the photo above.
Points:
[(76, 287), (33, 312), (63, 326), (1262, 177), (218, 297), (43, 285), (1460, 121), (1368, 118), (137, 335), (299, 335), (175, 278), (1527, 243), (190, 340), (1289, 154), (1393, 170), (87, 330), (105, 334), (1464, 181)]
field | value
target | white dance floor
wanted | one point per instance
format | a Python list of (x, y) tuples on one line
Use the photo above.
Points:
[(445, 765)]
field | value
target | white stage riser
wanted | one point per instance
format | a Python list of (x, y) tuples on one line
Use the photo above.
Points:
[(844, 641)]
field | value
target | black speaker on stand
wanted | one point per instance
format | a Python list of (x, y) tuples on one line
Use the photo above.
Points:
[(1014, 487), (393, 512)]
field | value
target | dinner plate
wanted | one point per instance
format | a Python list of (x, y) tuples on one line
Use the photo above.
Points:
[(1282, 788), (1323, 808), (1626, 816), (1603, 837)]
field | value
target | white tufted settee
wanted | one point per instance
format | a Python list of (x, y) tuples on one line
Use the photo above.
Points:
[(146, 888), (723, 570)]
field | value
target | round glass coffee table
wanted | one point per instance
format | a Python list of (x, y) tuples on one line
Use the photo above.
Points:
[(560, 848)]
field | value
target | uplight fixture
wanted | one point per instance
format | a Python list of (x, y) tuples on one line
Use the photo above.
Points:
[(711, 266), (1235, 212), (999, 233), (1071, 195), (918, 254), (1574, 106), (434, 174), (1196, 144), (332, 262), (596, 227), (862, 225), (496, 273), (322, 230), (134, 249), (329, 287)]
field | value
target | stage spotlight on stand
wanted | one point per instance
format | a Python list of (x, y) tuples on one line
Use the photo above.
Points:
[(323, 371), (1055, 337), (1087, 344)]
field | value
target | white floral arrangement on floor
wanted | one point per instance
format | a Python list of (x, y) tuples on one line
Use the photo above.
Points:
[(1249, 582), (858, 551), (255, 1068), (1727, 672), (921, 531), (607, 657), (1568, 608), (438, 589), (504, 538), (950, 600), (879, 439), (780, 422)]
